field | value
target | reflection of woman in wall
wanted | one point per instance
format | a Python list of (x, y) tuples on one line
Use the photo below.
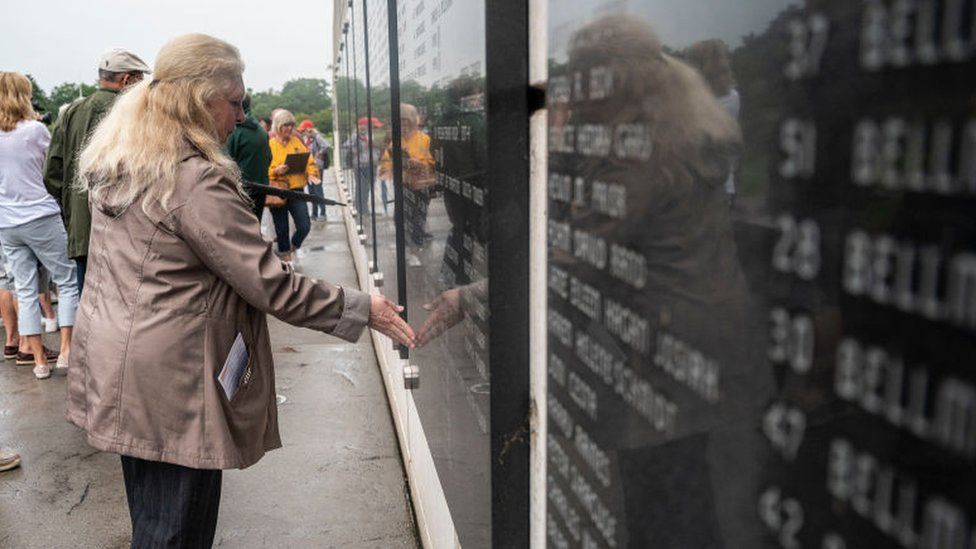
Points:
[(711, 58), (693, 482), (462, 159), (418, 172)]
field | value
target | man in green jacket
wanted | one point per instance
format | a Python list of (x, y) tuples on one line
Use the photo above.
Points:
[(117, 70), (248, 146)]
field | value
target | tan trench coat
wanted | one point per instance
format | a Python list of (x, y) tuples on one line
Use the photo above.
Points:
[(166, 294)]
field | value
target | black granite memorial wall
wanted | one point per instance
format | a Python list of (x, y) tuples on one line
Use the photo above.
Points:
[(426, 216), (442, 105), (762, 273)]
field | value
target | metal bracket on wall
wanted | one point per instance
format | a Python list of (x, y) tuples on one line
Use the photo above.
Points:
[(411, 377), (536, 98)]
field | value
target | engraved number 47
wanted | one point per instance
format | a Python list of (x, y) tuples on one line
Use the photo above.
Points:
[(785, 426)]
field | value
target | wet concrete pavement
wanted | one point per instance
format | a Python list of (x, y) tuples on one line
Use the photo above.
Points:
[(337, 482)]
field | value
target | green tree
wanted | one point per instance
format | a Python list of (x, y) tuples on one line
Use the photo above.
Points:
[(321, 118), (66, 92), (263, 102), (38, 94), (348, 90), (304, 96)]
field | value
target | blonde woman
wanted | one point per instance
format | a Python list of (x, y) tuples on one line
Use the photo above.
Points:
[(282, 144), (418, 173), (31, 229), (172, 365), (418, 168)]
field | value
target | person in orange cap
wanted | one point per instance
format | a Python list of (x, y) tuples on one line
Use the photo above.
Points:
[(376, 122), (320, 149)]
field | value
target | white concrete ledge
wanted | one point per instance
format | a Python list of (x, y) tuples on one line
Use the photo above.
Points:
[(434, 522)]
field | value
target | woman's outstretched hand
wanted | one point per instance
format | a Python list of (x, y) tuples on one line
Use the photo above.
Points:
[(384, 317)]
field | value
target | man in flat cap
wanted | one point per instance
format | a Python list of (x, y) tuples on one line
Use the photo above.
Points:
[(117, 70)]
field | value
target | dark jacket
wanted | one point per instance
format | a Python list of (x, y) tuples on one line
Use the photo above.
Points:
[(70, 132), (248, 146)]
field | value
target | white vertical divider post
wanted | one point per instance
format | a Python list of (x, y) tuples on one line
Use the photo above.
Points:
[(538, 269)]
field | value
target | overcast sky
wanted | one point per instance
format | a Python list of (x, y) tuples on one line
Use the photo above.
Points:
[(678, 23), (61, 40)]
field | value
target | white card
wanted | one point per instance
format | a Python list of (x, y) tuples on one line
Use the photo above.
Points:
[(234, 366)]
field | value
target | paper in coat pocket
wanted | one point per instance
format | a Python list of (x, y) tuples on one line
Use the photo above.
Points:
[(234, 367)]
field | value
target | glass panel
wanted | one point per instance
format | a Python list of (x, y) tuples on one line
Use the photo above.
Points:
[(356, 92), (344, 113), (383, 187), (442, 53), (761, 239), (368, 163)]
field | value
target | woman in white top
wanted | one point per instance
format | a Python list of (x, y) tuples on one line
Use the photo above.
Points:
[(31, 229)]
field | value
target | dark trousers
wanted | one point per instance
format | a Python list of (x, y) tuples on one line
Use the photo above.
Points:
[(81, 265), (317, 190), (171, 505), (364, 188), (415, 216), (299, 212)]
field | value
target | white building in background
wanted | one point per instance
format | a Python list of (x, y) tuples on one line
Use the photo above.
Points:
[(436, 40)]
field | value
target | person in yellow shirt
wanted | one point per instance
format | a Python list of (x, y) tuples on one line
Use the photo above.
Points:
[(418, 170), (418, 165), (282, 144)]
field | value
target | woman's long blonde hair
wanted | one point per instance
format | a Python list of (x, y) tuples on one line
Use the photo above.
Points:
[(15, 100), (136, 150), (711, 58)]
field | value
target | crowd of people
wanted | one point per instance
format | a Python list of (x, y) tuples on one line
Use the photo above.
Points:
[(142, 207), (261, 147)]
